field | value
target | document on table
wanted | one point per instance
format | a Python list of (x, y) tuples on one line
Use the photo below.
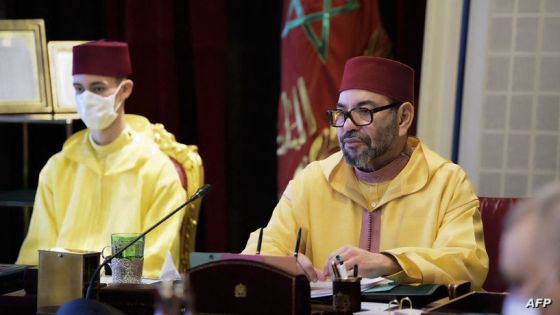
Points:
[(324, 288), (109, 280), (375, 308)]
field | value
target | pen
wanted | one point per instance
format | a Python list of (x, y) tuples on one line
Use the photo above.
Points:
[(259, 242), (355, 273), (335, 270), (298, 239), (341, 269)]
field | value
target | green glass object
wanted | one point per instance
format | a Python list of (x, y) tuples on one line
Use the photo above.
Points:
[(120, 240)]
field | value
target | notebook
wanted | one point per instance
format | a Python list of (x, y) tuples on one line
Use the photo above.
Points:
[(420, 295), (325, 288)]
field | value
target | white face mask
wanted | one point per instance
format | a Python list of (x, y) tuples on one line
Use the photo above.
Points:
[(96, 111)]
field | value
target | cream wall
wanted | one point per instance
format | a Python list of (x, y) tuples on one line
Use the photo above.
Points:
[(510, 127), (439, 74)]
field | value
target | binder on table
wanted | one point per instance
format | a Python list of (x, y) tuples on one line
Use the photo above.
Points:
[(475, 302), (11, 277), (420, 295)]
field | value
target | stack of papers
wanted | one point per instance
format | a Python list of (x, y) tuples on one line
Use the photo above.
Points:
[(109, 280), (325, 288)]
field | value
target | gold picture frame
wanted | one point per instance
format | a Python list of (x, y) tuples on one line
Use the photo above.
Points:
[(60, 68), (24, 80)]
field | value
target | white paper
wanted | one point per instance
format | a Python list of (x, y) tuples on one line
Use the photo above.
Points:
[(109, 280), (324, 288), (374, 308), (169, 271)]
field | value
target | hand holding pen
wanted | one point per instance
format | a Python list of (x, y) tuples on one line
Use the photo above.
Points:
[(339, 270), (304, 264), (343, 273)]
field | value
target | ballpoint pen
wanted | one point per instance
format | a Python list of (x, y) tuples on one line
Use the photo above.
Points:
[(298, 239), (336, 274), (355, 272), (259, 242), (341, 268)]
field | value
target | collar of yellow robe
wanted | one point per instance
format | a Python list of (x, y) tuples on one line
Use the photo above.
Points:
[(416, 174), (117, 156)]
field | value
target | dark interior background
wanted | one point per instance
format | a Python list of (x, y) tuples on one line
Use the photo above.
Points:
[(210, 72)]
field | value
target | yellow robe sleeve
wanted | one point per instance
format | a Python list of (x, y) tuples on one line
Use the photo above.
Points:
[(43, 229), (458, 251), (165, 238), (279, 235)]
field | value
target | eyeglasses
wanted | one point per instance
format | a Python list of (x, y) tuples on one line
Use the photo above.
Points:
[(360, 116)]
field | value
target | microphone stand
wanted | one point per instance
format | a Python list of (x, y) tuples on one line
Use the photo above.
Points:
[(202, 191)]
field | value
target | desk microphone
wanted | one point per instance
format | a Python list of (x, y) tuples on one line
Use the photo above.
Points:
[(201, 192)]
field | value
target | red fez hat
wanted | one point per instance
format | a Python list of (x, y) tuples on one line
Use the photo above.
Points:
[(102, 58), (379, 75)]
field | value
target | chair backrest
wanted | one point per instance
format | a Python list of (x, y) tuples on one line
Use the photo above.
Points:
[(493, 211), (188, 164)]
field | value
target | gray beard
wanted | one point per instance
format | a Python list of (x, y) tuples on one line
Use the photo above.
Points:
[(364, 160)]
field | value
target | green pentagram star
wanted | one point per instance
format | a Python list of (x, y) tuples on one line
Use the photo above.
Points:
[(321, 46)]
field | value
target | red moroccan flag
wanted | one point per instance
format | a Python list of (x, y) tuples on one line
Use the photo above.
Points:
[(317, 39)]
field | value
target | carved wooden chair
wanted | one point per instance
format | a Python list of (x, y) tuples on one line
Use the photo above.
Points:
[(188, 164)]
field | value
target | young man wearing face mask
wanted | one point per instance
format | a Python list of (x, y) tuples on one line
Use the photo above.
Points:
[(108, 178)]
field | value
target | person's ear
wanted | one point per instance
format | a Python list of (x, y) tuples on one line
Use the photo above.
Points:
[(405, 115), (126, 89)]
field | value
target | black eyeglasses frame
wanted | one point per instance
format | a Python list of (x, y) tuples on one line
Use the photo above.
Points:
[(348, 114)]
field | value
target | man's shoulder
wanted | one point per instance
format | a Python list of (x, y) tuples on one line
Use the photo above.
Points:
[(75, 148), (312, 175), (436, 162), (70, 154), (75, 139), (55, 160), (154, 167), (322, 168), (55, 167), (147, 150), (150, 160), (445, 175), (70, 145)]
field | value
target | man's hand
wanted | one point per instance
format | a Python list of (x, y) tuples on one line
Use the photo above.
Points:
[(370, 265), (306, 266)]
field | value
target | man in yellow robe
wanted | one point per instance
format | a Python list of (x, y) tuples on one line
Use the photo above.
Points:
[(108, 178), (386, 202)]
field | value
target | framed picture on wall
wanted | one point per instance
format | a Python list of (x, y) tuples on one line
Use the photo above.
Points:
[(24, 79), (60, 66)]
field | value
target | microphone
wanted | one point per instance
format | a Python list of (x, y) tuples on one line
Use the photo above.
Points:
[(201, 192)]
